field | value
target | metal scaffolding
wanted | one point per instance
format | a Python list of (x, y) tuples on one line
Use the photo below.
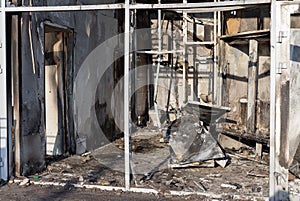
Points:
[(279, 17)]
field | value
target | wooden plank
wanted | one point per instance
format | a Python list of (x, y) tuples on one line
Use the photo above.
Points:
[(245, 137), (252, 34), (258, 150), (252, 77), (16, 95)]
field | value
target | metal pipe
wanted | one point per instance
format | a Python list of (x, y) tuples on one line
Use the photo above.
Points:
[(158, 67), (135, 81), (274, 18), (4, 134), (207, 7), (199, 43), (219, 87), (209, 10), (215, 72), (126, 95), (184, 57), (172, 46), (65, 8), (279, 142)]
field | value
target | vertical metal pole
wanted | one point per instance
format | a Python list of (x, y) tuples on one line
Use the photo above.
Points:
[(215, 70), (158, 66), (135, 71), (126, 95), (185, 58), (219, 22), (279, 147), (219, 81), (3, 99), (272, 189)]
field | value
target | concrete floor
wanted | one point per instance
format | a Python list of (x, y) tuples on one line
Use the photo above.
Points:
[(242, 178)]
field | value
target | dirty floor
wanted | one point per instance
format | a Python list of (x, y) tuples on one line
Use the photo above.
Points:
[(244, 176), (14, 192), (150, 158)]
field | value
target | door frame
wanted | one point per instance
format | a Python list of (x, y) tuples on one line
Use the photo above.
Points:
[(68, 133)]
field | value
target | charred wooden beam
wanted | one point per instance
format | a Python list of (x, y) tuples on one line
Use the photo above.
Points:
[(252, 85)]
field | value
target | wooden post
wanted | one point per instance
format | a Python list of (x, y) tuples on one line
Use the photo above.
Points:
[(16, 94), (258, 150), (139, 110), (252, 76)]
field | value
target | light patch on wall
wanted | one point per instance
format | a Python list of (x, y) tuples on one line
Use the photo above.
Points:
[(234, 109), (88, 28)]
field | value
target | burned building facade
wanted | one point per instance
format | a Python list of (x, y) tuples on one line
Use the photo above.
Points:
[(81, 75)]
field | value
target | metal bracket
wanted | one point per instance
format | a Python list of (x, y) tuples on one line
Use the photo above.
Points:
[(280, 67), (0, 44), (281, 35), (1, 69)]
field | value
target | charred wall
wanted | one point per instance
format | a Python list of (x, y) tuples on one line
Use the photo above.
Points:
[(234, 64), (90, 29), (246, 20), (236, 85)]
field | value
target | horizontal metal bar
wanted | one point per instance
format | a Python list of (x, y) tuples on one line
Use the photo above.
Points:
[(158, 52), (198, 7), (211, 10), (64, 8), (208, 5), (200, 43)]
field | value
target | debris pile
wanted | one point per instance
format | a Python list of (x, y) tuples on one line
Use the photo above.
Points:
[(191, 140)]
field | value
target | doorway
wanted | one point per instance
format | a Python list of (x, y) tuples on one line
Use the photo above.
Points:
[(58, 90)]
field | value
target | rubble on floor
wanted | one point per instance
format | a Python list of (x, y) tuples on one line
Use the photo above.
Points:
[(192, 142), (184, 157), (191, 135), (241, 177), (150, 167)]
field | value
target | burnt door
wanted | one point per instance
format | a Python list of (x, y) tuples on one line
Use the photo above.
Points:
[(57, 89)]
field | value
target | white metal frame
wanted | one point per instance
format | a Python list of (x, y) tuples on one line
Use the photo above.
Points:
[(3, 100), (274, 10), (126, 95), (205, 7), (216, 6), (280, 21), (158, 65)]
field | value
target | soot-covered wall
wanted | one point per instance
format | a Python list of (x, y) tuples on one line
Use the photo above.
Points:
[(90, 29)]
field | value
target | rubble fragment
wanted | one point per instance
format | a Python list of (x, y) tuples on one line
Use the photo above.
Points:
[(25, 182), (191, 139)]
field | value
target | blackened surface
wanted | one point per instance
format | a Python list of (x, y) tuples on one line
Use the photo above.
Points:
[(285, 95)]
